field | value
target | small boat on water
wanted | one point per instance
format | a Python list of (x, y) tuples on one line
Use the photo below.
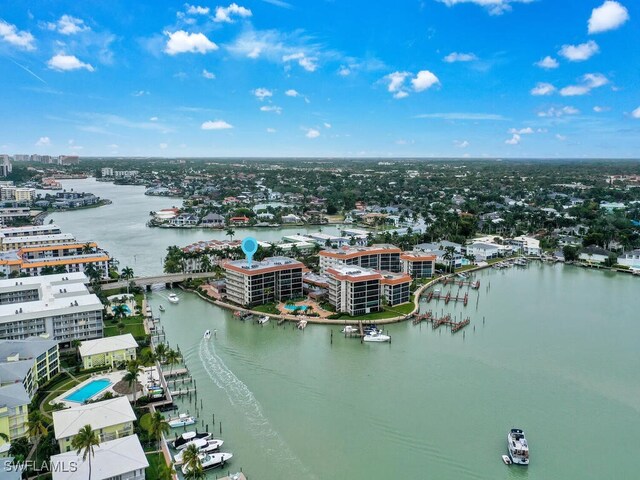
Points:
[(181, 420), (207, 334), (161, 308), (209, 461), (376, 336), (349, 329), (264, 319), (518, 447), (506, 459), (301, 324), (173, 298), (182, 441), (202, 444)]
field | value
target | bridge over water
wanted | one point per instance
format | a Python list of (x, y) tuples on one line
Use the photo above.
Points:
[(167, 279)]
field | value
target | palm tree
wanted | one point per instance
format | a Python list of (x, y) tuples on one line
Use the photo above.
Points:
[(230, 233), (127, 273), (84, 442), (161, 351), (205, 264), (36, 426), (155, 425), (165, 472), (131, 377), (119, 311), (172, 357), (87, 248), (192, 462), (450, 255)]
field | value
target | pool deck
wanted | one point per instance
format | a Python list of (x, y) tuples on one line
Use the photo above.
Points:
[(113, 377)]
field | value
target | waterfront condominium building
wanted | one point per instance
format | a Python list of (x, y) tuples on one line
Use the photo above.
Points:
[(376, 257), (395, 288), (418, 264), (59, 306), (273, 279), (15, 243), (14, 411), (28, 231), (354, 290), (32, 362), (72, 257)]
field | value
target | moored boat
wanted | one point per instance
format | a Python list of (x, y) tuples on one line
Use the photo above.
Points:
[(173, 298), (182, 441), (376, 336), (506, 459), (518, 447), (202, 444), (181, 420), (264, 319), (209, 461), (302, 324), (349, 329), (161, 308)]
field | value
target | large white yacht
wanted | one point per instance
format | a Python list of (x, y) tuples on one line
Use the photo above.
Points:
[(518, 447)]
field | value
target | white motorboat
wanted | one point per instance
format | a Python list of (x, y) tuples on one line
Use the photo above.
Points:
[(202, 444), (349, 329), (181, 420), (302, 324), (518, 447), (209, 461), (161, 308), (506, 459), (173, 298), (182, 441), (264, 319), (207, 334), (376, 336)]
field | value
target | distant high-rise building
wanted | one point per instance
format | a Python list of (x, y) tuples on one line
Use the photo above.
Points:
[(5, 168), (68, 160), (107, 172)]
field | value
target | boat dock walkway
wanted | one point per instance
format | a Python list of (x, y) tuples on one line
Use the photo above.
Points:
[(233, 476), (461, 283), (178, 372), (437, 322), (448, 297)]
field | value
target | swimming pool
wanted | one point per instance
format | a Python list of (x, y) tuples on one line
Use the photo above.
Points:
[(124, 307), (89, 390), (294, 308)]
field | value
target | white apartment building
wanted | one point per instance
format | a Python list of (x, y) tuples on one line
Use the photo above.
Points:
[(11, 213), (15, 243), (59, 306), (25, 194), (107, 172), (32, 362), (483, 251), (418, 264), (274, 278), (125, 174), (376, 257), (354, 290), (29, 230), (526, 245)]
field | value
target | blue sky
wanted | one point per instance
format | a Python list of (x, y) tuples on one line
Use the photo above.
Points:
[(454, 78)]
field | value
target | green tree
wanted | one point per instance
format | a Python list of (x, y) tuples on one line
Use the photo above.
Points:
[(127, 273), (172, 358), (131, 377), (230, 233), (36, 425), (192, 463), (205, 264), (570, 253), (161, 351), (84, 442), (155, 425)]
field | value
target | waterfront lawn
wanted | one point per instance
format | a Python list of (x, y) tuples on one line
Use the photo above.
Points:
[(267, 308), (386, 312), (156, 460), (132, 325)]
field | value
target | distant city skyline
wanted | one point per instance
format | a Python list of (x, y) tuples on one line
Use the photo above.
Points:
[(269, 78)]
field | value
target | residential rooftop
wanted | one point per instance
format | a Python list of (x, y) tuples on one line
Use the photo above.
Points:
[(352, 252), (269, 264), (107, 344), (68, 422)]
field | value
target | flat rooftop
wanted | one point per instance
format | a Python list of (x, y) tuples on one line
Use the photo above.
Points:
[(270, 264), (353, 274), (353, 252)]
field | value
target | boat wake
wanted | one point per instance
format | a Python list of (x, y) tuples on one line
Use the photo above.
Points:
[(280, 455)]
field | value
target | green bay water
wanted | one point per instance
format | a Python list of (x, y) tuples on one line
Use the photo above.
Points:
[(557, 355)]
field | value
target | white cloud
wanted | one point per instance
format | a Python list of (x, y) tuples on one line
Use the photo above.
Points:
[(494, 7), (68, 25), (344, 71), (216, 125), (224, 14), (262, 93), (562, 138), (63, 63), (113, 146), (312, 133), (271, 108), (600, 109), (543, 89), (326, 125), (559, 112), (636, 113), (43, 142), (308, 63), (400, 94), (396, 81), (271, 130), (141, 93), (460, 57), (462, 116), (197, 10), (522, 131), (587, 83), (514, 140), (292, 93), (461, 143), (18, 38), (424, 80), (581, 52), (608, 16), (548, 63), (207, 74), (163, 145), (153, 119), (185, 42)]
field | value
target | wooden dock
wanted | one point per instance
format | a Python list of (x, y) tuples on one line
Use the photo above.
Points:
[(461, 283), (448, 297), (233, 476), (446, 320), (178, 372)]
